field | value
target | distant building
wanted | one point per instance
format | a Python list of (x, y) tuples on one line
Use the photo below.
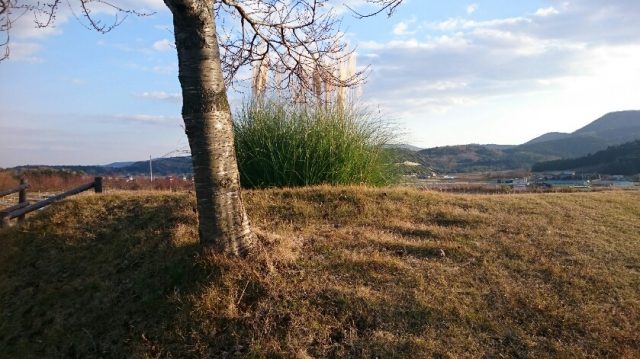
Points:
[(515, 183)]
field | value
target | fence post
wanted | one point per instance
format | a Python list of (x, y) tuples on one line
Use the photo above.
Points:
[(97, 184), (22, 197)]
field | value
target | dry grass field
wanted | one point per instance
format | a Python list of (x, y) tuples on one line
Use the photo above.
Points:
[(340, 272)]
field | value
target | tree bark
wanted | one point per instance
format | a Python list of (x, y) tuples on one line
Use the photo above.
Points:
[(223, 222)]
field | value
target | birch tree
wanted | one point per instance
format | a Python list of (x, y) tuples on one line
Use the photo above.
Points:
[(298, 40)]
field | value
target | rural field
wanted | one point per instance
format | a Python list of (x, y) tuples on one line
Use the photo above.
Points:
[(339, 272)]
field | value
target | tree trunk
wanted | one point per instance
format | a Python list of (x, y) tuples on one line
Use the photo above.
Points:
[(223, 222)]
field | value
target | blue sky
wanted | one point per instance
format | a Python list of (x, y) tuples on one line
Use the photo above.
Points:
[(444, 72)]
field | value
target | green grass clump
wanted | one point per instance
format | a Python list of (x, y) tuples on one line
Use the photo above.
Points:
[(280, 145)]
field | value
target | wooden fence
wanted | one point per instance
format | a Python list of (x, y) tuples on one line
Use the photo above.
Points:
[(23, 207)]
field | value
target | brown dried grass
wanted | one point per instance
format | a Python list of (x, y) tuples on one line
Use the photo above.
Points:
[(340, 272)]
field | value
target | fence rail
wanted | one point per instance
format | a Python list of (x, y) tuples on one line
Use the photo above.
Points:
[(23, 185), (23, 207), (5, 212)]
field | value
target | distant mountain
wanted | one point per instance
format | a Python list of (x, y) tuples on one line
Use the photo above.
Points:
[(568, 147), (398, 154), (161, 167), (551, 136), (405, 146), (461, 158), (616, 160), (612, 122), (405, 161), (93, 170), (498, 147), (470, 158), (118, 164), (611, 129)]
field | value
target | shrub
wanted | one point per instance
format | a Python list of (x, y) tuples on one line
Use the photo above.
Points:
[(282, 145), (7, 180), (44, 179)]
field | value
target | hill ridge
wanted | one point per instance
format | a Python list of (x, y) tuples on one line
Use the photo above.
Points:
[(615, 160)]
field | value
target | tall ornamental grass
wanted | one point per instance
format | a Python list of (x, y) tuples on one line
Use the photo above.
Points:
[(282, 145)]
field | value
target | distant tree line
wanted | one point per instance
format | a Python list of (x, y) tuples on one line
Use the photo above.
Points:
[(161, 167), (622, 159)]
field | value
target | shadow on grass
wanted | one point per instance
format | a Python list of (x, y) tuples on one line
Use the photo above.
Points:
[(120, 276), (414, 231), (100, 282)]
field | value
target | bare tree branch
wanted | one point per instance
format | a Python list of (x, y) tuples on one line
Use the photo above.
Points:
[(298, 41), (44, 15), (5, 26), (388, 6)]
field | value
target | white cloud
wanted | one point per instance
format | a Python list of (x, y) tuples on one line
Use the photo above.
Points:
[(520, 43), (146, 7), (548, 11), (25, 30), (161, 96), (472, 8), (26, 26), (455, 41), (553, 69), (447, 85), (55, 138), (406, 27), (142, 5), (457, 24), (24, 52), (149, 119), (163, 45), (163, 69), (400, 28)]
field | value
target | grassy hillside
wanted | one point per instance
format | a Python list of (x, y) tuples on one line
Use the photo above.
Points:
[(611, 129), (473, 158), (342, 272), (573, 146), (161, 167), (614, 128), (617, 160), (620, 121), (549, 136)]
